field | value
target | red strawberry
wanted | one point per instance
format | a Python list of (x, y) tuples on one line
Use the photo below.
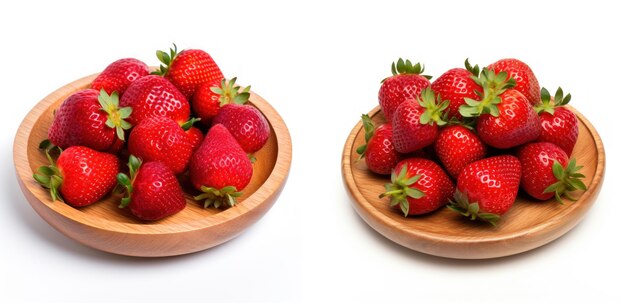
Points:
[(457, 146), (118, 75), (89, 118), (153, 192), (212, 95), (161, 139), (516, 124), (416, 123), (547, 172), (486, 189), (152, 96), (220, 168), (418, 186), (380, 155), (406, 83), (455, 85), (505, 118), (195, 137), (247, 125), (188, 69), (80, 177), (525, 79), (559, 125)]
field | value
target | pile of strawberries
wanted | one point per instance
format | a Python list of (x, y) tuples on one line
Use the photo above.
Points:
[(130, 114), (471, 139)]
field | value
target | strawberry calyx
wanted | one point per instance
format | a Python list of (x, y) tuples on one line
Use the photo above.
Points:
[(568, 180), (368, 126), (49, 176), (547, 106), (189, 123), (462, 205), (475, 70), (218, 197), (435, 108), (126, 182), (493, 85), (400, 188), (166, 59), (115, 115), (231, 93), (407, 67)]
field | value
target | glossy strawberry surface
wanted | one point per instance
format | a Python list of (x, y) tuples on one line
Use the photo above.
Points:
[(80, 121), (88, 175), (491, 182), (516, 124), (526, 82), (455, 85), (117, 76), (156, 192), (153, 96), (161, 139), (457, 146)]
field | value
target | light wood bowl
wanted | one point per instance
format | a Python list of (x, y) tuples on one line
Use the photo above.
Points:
[(528, 225), (105, 227)]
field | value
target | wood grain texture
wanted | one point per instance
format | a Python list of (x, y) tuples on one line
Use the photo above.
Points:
[(529, 224), (105, 227)]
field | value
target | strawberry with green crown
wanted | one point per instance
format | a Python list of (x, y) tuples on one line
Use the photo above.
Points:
[(407, 82), (416, 122), (188, 69), (559, 125), (378, 151), (548, 172), (92, 119)]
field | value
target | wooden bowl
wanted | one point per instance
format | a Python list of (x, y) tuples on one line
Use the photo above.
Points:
[(529, 224), (105, 227)]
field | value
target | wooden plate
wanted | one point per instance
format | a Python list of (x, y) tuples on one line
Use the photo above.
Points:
[(529, 224), (105, 227)]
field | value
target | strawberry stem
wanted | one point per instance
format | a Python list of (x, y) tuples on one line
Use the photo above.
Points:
[(400, 189), (127, 182), (462, 205), (493, 85), (226, 196), (50, 177), (568, 180), (115, 115)]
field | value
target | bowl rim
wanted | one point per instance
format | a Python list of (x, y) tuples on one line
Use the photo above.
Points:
[(365, 208), (276, 179)]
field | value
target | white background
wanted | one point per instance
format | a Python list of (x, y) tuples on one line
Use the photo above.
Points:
[(320, 65)]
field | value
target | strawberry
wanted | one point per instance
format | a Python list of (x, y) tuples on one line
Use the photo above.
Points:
[(548, 172), (161, 139), (418, 186), (247, 125), (457, 146), (380, 155), (527, 83), (195, 136), (152, 190), (89, 118), (210, 96), (559, 125), (152, 96), (188, 69), (118, 75), (505, 117), (81, 176), (455, 85), (220, 168), (406, 83), (486, 189), (416, 123)]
